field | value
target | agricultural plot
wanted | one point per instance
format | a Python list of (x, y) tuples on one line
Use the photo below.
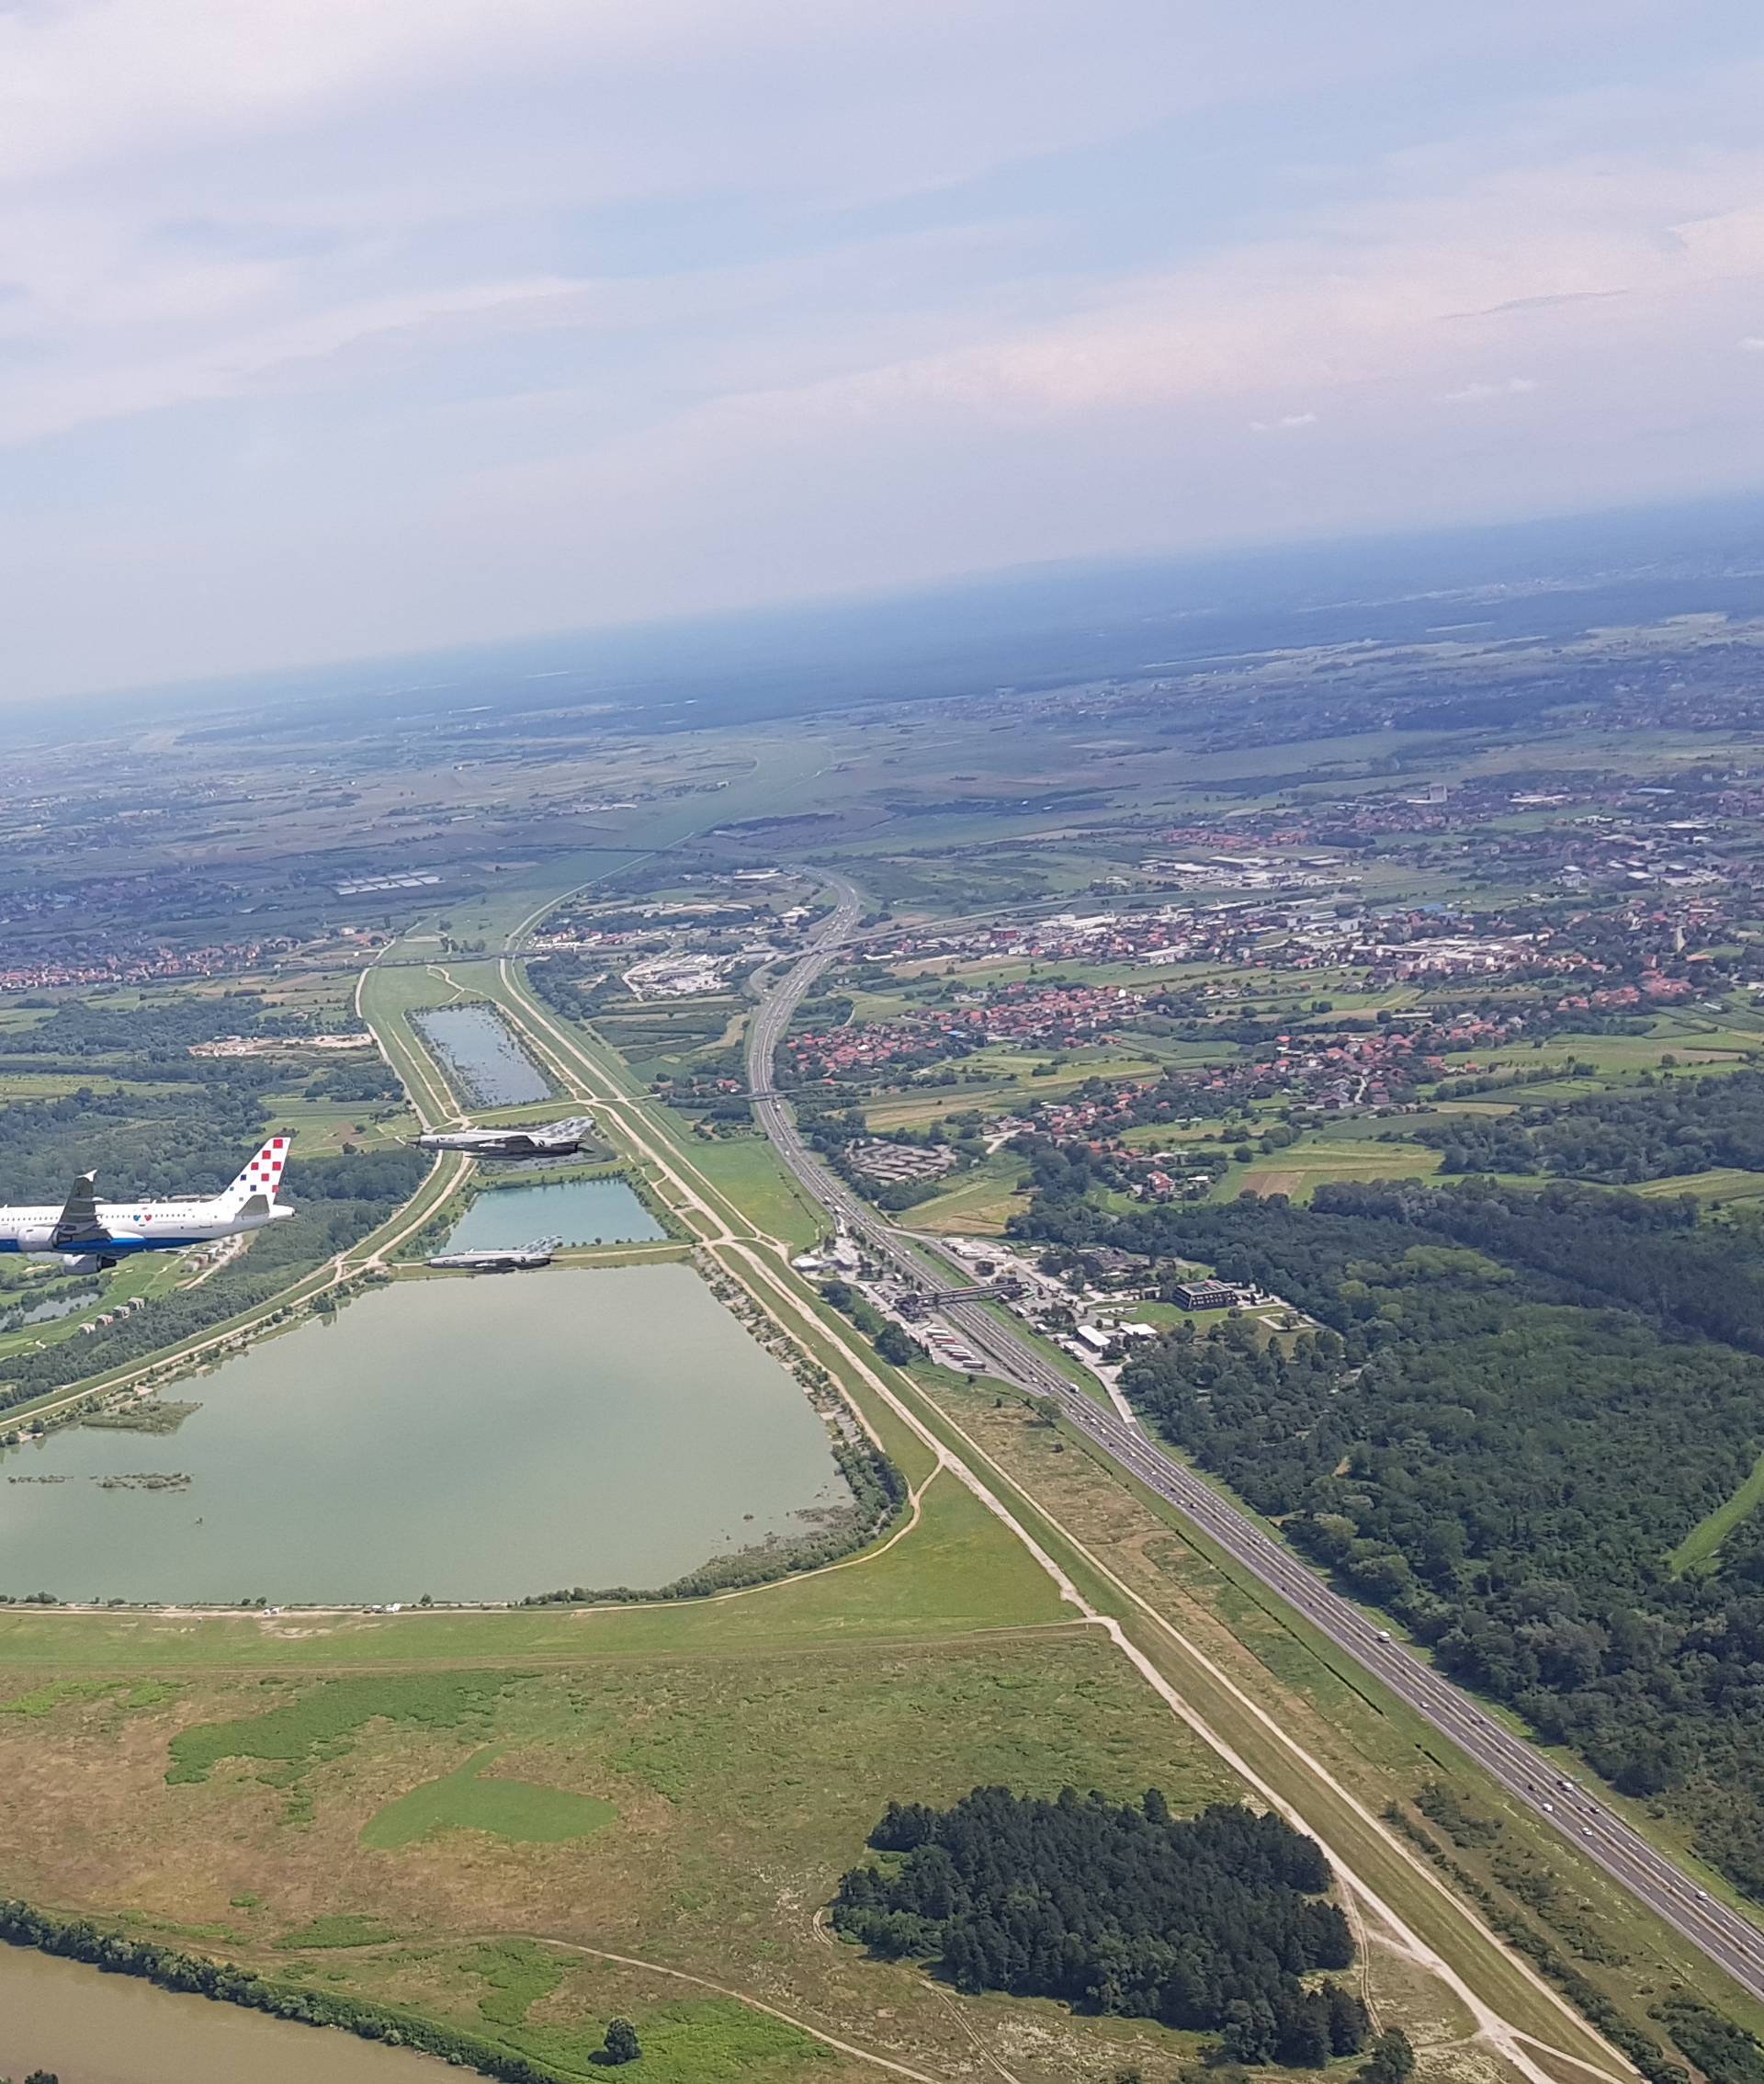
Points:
[(664, 1040), (982, 1200), (1298, 1170)]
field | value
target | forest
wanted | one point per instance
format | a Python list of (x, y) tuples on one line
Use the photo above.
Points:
[(148, 1118), (1515, 1407), (191, 1140), (1665, 1131), (1206, 1922)]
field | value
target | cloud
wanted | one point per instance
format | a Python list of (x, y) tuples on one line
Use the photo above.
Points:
[(1474, 393), (1753, 343), (330, 327)]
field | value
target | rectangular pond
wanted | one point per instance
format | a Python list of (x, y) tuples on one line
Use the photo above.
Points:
[(473, 1440), (581, 1212), (482, 1055)]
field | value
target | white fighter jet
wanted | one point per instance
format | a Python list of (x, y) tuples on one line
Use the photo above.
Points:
[(86, 1234), (538, 1140)]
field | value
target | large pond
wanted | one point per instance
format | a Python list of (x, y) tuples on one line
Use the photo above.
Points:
[(475, 1439), (581, 1212), (481, 1051), (90, 2028)]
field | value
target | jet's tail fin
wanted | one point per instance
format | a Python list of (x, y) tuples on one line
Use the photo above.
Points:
[(78, 1221), (262, 1178)]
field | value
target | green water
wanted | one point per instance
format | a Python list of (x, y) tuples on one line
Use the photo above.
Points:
[(581, 1212), (471, 1439)]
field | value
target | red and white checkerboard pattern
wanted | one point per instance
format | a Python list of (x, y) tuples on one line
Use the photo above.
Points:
[(263, 1174)]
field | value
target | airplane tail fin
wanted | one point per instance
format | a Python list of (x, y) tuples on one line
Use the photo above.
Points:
[(262, 1176)]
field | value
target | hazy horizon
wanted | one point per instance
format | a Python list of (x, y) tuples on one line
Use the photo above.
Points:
[(1061, 620), (342, 333)]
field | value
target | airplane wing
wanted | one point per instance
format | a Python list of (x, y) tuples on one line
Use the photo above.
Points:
[(78, 1222)]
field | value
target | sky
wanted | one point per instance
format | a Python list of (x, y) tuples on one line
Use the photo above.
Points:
[(338, 328)]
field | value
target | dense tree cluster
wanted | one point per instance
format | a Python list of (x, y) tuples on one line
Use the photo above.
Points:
[(1726, 2053), (189, 1141), (1393, 2059), (162, 1028), (1208, 1922), (1518, 1405), (364, 1080), (1680, 1126)]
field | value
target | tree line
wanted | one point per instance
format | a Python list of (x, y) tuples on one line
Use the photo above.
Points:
[(1665, 1131), (168, 1968)]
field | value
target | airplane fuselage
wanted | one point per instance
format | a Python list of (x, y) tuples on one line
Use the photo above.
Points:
[(85, 1233), (553, 1139), (131, 1227)]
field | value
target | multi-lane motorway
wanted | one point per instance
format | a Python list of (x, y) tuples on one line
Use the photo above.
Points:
[(1725, 1937)]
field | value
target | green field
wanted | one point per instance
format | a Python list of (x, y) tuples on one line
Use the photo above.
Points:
[(1298, 1170), (747, 1169), (471, 1798), (1721, 1185), (982, 1200), (689, 1810), (1698, 1547)]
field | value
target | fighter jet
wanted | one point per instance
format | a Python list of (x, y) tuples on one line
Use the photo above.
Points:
[(538, 1140), (88, 1235), (509, 1259)]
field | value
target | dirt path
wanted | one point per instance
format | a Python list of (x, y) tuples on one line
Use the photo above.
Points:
[(701, 1982)]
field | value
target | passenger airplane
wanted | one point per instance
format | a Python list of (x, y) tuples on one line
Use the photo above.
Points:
[(89, 1234)]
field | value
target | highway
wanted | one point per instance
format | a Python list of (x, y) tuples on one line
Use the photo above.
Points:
[(1728, 1939)]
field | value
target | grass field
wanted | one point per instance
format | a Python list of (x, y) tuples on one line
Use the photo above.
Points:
[(389, 994), (471, 1798), (1723, 1184), (1300, 1170), (747, 1169), (981, 1201), (691, 1811), (148, 1276), (1700, 1546)]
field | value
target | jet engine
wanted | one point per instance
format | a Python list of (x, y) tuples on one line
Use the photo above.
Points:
[(41, 1240)]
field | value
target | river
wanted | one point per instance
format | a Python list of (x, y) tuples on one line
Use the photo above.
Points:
[(581, 1212), (472, 1439), (482, 1054), (90, 2028)]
